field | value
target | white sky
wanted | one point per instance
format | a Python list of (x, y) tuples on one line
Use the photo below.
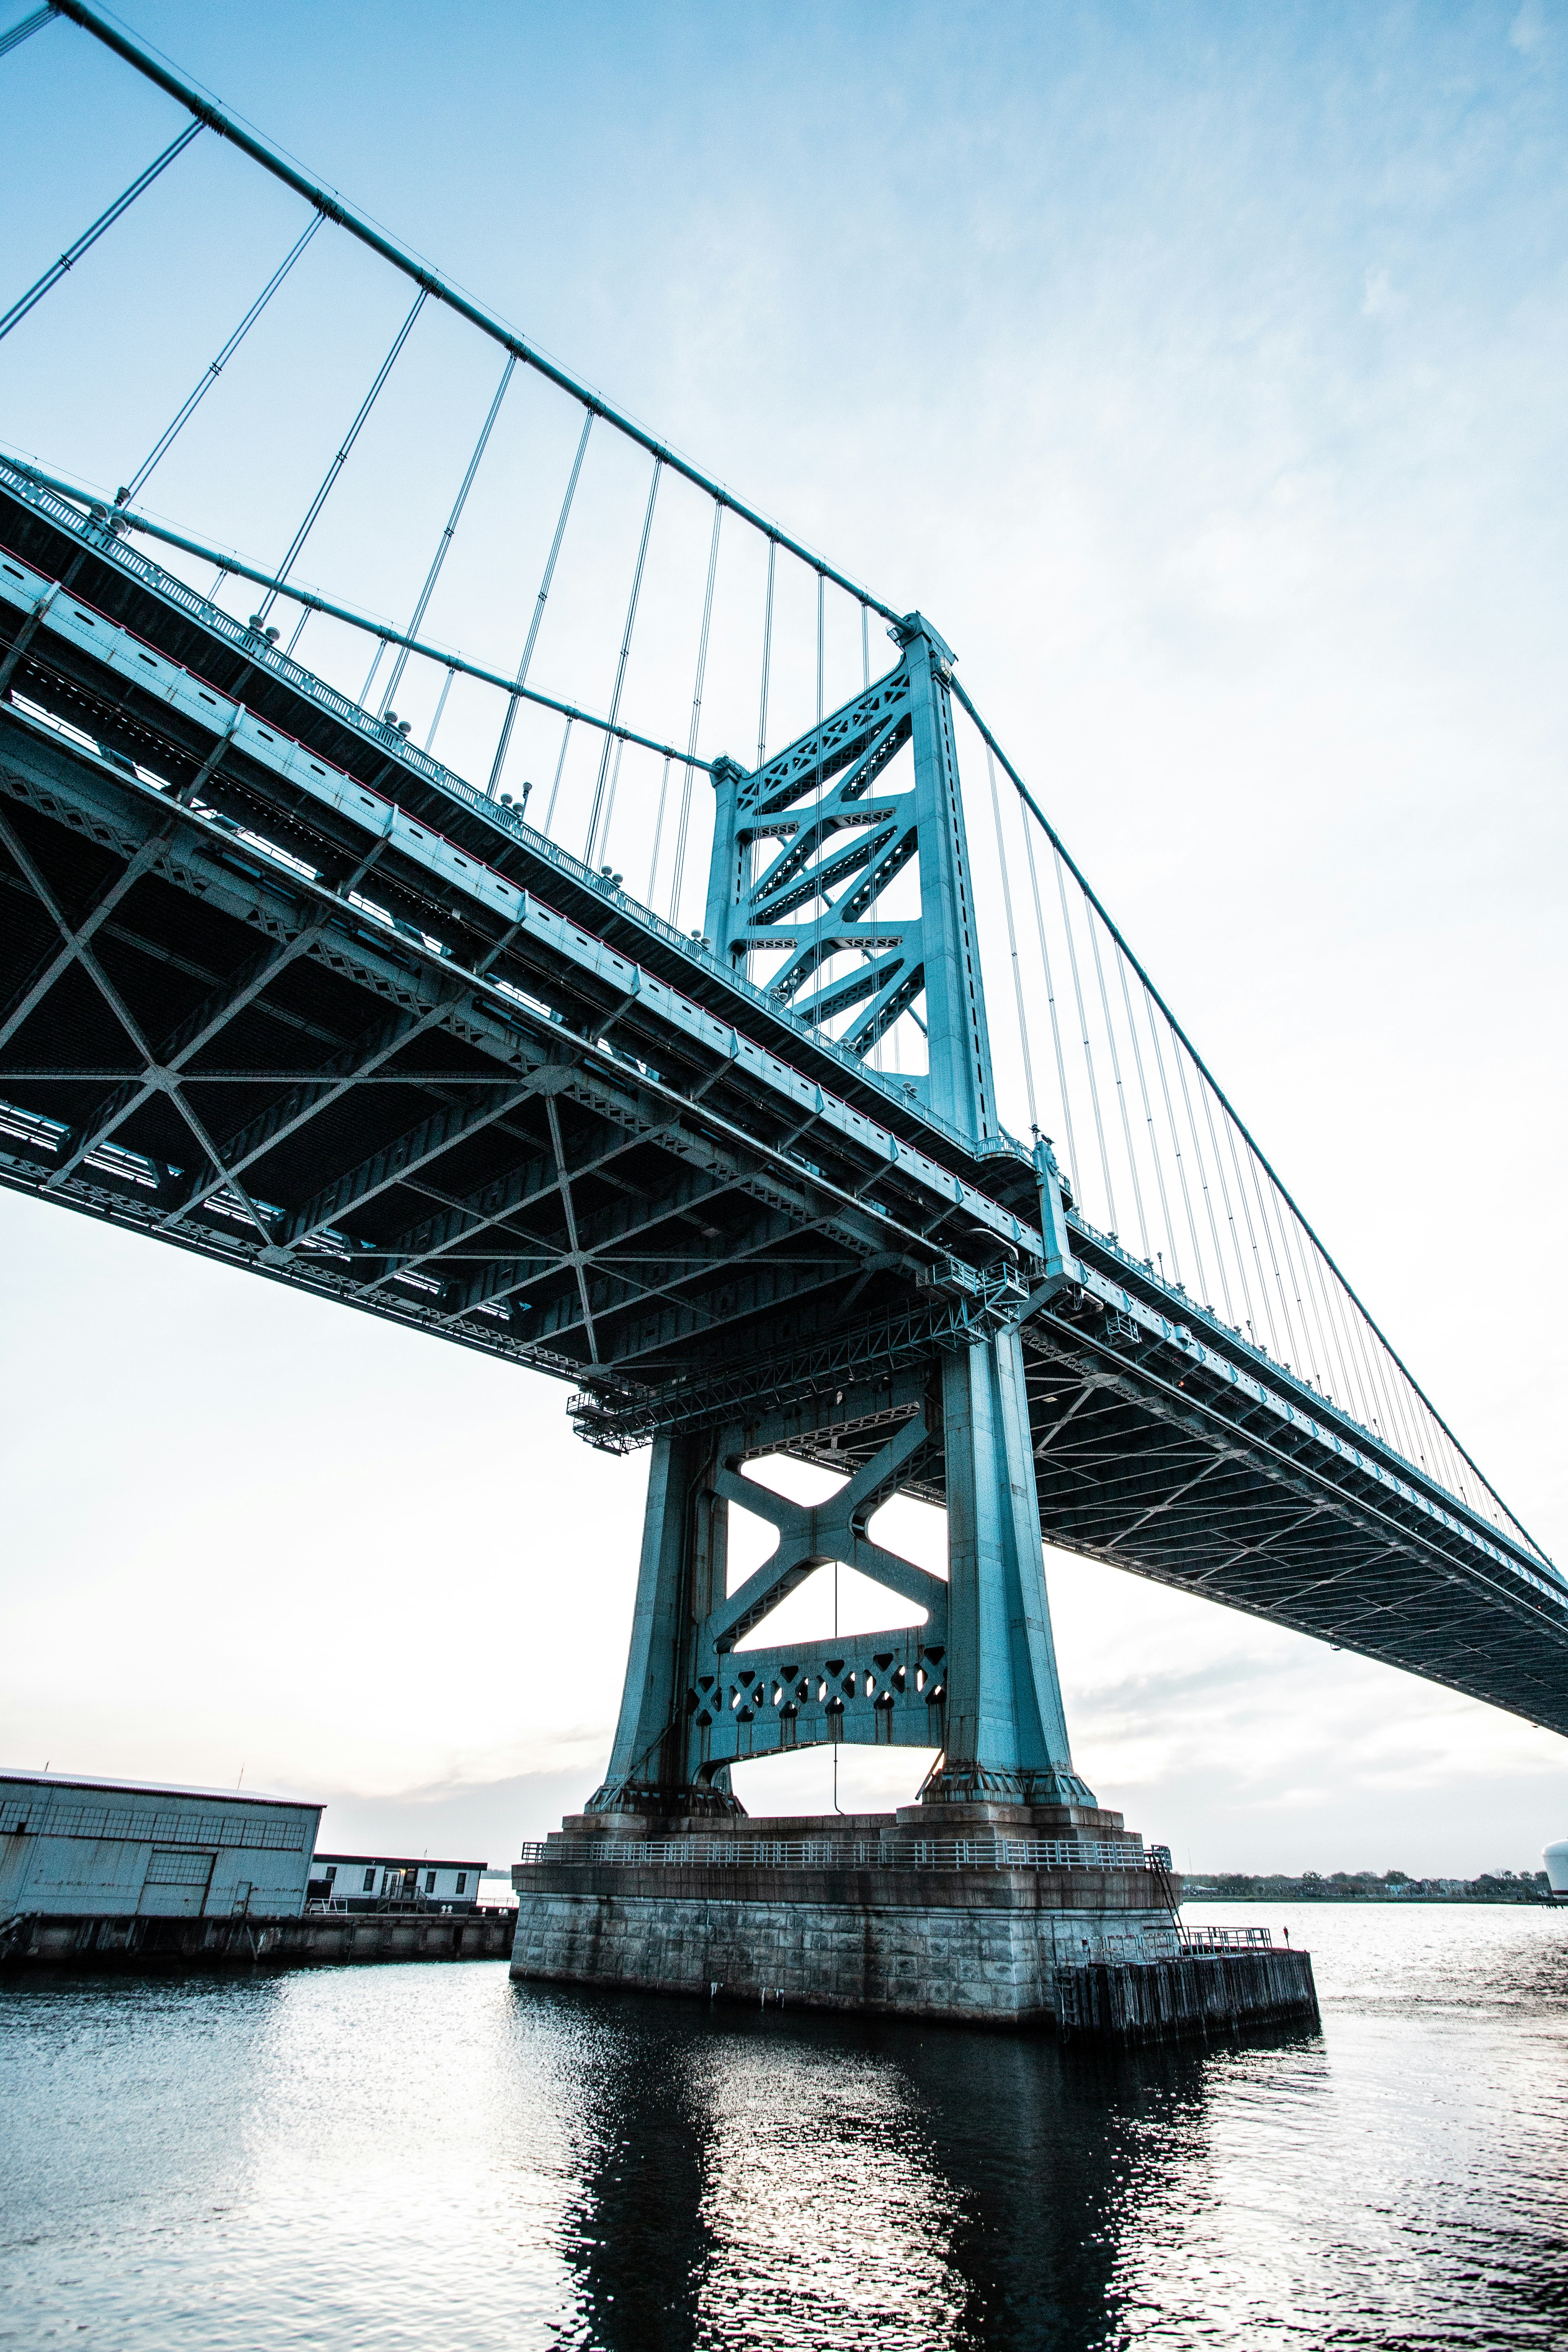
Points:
[(1201, 373)]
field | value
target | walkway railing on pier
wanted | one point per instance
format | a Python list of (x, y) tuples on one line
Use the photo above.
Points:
[(845, 1853), (1226, 1939)]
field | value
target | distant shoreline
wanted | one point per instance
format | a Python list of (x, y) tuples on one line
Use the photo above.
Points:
[(1405, 1902)]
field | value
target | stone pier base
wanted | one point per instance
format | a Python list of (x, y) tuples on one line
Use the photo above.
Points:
[(892, 1913)]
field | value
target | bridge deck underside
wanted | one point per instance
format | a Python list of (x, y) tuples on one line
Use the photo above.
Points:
[(207, 1034)]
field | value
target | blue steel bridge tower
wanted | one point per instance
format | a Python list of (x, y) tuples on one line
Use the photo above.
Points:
[(806, 851)]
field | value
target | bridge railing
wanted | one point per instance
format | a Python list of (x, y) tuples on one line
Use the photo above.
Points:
[(842, 1854)]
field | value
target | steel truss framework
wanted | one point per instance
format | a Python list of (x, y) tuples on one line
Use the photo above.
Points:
[(274, 990)]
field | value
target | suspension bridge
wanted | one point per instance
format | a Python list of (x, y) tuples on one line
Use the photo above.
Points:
[(752, 1161)]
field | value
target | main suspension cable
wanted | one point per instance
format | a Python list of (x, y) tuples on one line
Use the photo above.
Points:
[(420, 272)]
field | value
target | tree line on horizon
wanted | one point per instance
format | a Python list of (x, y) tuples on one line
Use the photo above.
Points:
[(1366, 1886)]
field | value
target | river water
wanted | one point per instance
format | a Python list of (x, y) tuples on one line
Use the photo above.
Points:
[(430, 2156)]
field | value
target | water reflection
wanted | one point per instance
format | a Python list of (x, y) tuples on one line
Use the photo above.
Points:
[(787, 2180), (430, 2157)]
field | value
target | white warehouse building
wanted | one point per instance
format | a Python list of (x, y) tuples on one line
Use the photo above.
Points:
[(370, 1882), (87, 1848)]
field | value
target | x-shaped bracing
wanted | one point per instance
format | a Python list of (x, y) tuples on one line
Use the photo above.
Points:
[(812, 1534)]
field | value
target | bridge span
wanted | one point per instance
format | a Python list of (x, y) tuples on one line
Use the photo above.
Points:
[(280, 987), (282, 991)]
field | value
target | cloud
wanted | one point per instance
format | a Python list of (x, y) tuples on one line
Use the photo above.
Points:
[(1529, 32)]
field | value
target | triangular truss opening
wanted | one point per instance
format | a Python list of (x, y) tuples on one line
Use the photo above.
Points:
[(824, 906)]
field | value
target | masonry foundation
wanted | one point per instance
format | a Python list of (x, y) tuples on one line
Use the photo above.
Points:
[(952, 1911)]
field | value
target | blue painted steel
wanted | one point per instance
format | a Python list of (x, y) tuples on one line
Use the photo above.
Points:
[(978, 1680), (817, 1235)]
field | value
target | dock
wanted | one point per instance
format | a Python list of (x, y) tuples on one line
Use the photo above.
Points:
[(1213, 1981), (135, 1945)]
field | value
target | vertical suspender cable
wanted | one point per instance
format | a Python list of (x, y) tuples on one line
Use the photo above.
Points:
[(1143, 1090), (560, 765), (1387, 1429), (1316, 1268), (1346, 1337), (821, 594), (1405, 1410), (1083, 1032), (658, 829), (1230, 1134), (1273, 1257), (341, 460), (767, 654), (1051, 1002), (865, 646), (1206, 1097), (1116, 1074), (1384, 1349), (23, 30), (364, 695), (684, 825), (1344, 1342), (1203, 1180), (1306, 1298), (434, 574), (1377, 1373), (1290, 1240), (820, 960), (610, 797), (1012, 941), (625, 655), (1313, 1306), (89, 236), (210, 375), (1176, 1137), (498, 763), (441, 709)]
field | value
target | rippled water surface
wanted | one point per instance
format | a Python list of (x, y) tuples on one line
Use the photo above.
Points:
[(428, 2155)]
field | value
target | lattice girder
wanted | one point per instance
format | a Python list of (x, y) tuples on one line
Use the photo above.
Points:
[(843, 840)]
